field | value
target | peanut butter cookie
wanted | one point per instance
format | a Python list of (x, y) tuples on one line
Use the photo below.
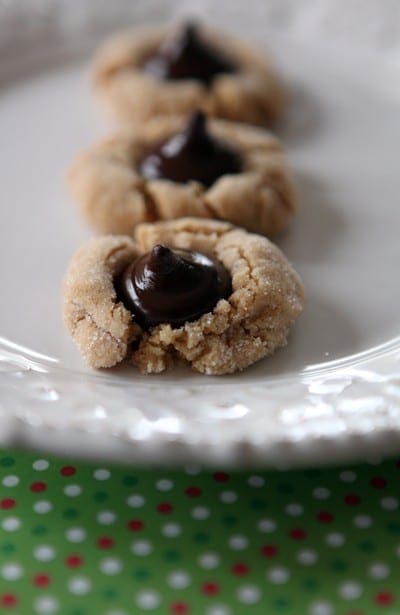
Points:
[(174, 166), (195, 290), (144, 73)]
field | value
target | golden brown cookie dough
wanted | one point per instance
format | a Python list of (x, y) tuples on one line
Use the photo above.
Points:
[(99, 324), (252, 323), (252, 94), (114, 197)]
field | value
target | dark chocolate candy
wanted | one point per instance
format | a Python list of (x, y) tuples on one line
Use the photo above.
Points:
[(193, 154), (172, 286), (187, 56)]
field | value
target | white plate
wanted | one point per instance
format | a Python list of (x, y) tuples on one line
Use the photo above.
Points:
[(332, 394)]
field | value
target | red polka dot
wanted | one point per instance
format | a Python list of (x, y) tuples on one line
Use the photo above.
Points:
[(325, 517), (269, 550), (352, 499), (193, 492), (38, 487), (68, 470), (7, 503), (297, 533), (378, 482), (41, 580), (221, 477), (240, 569), (135, 525), (165, 508), (105, 542), (179, 608), (73, 561), (210, 588), (8, 600), (384, 598)]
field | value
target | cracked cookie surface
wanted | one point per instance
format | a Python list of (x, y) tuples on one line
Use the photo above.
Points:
[(253, 94), (114, 197), (267, 297)]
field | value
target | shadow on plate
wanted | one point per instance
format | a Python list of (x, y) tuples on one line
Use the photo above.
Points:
[(323, 333), (318, 225), (302, 118)]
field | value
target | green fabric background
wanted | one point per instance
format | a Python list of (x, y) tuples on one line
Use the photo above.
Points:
[(81, 539)]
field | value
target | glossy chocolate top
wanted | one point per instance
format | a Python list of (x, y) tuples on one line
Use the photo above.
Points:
[(172, 286), (191, 155), (187, 56)]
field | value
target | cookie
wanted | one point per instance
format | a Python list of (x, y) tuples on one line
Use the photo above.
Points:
[(247, 323), (108, 181), (142, 73)]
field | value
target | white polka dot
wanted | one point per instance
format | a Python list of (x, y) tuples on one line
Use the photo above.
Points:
[(79, 585), (362, 521), (256, 481), (148, 599), (335, 539), (218, 609), (141, 548), (390, 503), (192, 470), (248, 594), (46, 605), (110, 565), (101, 474), (171, 530), (321, 608), (40, 464), (228, 497), (294, 509), (238, 542), (10, 481), (11, 524), (348, 476), (307, 557), (350, 590), (75, 534), (135, 501), (164, 484), (321, 493), (178, 579), (106, 517), (44, 553), (11, 572), (72, 490), (200, 513), (42, 507), (209, 560), (379, 570), (278, 575), (267, 526)]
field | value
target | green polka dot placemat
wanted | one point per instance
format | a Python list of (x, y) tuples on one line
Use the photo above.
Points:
[(83, 539)]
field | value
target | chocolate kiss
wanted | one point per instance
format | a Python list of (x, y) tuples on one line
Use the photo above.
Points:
[(192, 155), (172, 286), (187, 56)]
